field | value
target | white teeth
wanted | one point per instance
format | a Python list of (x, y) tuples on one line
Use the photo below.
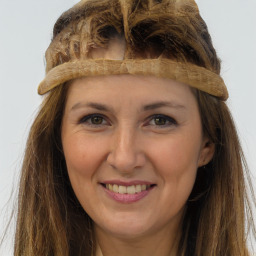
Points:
[(143, 187), (122, 190), (138, 188), (127, 189), (115, 188), (131, 189)]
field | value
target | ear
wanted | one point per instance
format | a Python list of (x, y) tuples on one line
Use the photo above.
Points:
[(206, 153)]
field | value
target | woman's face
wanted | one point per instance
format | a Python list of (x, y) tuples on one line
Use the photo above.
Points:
[(132, 146)]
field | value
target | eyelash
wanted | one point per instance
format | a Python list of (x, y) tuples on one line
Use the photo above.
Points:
[(88, 119), (168, 121)]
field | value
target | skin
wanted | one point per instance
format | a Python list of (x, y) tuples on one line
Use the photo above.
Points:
[(128, 142)]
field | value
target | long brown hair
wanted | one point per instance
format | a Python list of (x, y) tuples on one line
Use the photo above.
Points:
[(50, 219)]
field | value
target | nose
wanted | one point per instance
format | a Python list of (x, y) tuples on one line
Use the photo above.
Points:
[(126, 152)]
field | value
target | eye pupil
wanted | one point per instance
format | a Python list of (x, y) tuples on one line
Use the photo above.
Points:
[(160, 121), (97, 120)]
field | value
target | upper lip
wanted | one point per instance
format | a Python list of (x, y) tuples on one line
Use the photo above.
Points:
[(128, 183)]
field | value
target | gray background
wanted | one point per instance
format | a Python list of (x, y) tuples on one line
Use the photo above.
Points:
[(25, 32)]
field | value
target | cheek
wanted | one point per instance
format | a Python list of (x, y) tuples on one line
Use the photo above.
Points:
[(176, 163), (82, 158), (179, 154)]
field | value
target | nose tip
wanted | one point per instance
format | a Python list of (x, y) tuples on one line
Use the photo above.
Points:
[(125, 161), (125, 154)]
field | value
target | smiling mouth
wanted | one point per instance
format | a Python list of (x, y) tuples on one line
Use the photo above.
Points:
[(133, 189)]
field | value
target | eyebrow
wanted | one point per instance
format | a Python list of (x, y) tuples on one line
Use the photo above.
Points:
[(94, 105), (161, 104), (152, 106)]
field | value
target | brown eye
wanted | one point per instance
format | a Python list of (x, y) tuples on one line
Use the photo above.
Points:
[(93, 119), (96, 120), (160, 121)]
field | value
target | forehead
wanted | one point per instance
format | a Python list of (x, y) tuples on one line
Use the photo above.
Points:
[(118, 90)]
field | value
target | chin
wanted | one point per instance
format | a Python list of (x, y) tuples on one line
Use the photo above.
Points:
[(125, 228)]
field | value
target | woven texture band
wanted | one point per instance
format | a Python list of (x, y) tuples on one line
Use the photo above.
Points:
[(190, 74)]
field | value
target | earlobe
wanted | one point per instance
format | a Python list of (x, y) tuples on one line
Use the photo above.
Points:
[(207, 152)]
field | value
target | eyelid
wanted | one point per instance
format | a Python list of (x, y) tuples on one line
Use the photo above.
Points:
[(85, 118), (169, 119)]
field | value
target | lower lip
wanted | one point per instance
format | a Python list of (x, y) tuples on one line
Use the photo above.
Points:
[(127, 198)]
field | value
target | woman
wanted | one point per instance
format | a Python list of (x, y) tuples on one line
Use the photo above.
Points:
[(134, 151)]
